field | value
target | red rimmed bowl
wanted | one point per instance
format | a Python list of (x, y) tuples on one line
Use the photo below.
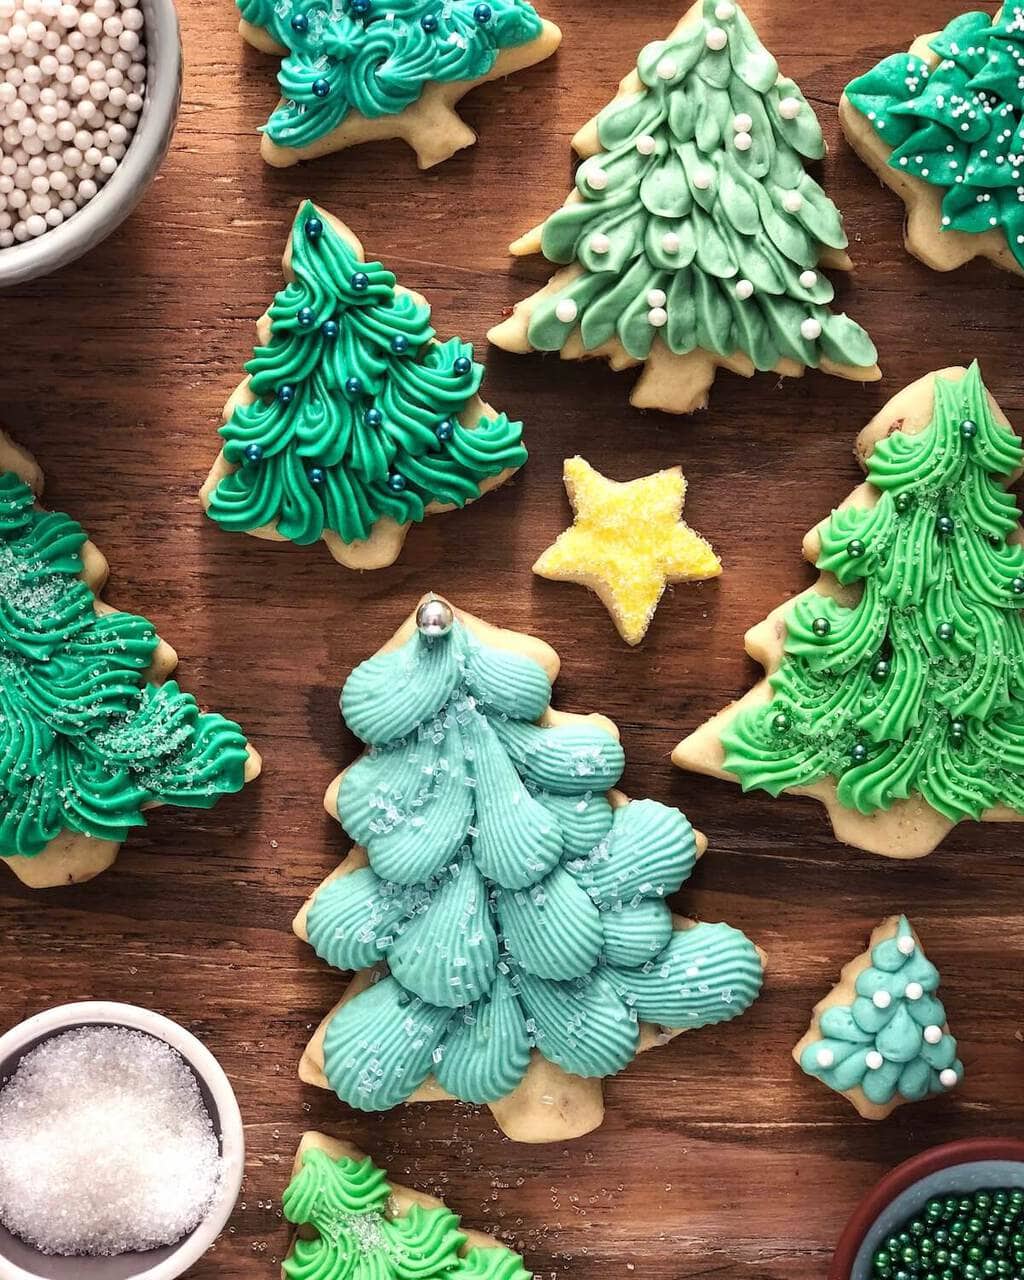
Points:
[(956, 1167)]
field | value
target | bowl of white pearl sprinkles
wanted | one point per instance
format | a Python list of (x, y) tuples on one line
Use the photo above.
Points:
[(121, 1146), (89, 93)]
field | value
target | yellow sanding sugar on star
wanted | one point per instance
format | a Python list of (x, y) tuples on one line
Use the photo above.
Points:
[(627, 542)]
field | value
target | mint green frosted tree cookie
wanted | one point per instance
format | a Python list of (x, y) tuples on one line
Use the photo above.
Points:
[(505, 909), (353, 1222), (880, 1036), (695, 237), (354, 421)]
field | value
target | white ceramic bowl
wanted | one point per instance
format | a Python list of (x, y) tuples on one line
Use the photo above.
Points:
[(126, 186), (18, 1260)]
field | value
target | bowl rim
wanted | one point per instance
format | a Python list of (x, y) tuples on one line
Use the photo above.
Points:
[(115, 200), (905, 1175), (65, 1017)]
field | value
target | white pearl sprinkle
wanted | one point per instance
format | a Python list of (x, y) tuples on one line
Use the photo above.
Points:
[(742, 123), (789, 108), (808, 279), (811, 329), (702, 179), (933, 1034), (873, 1060), (724, 10), (881, 999), (744, 289), (906, 945), (666, 69), (645, 144), (914, 991), (948, 1078), (716, 38), (742, 141), (670, 242), (597, 178), (792, 201), (825, 1058), (599, 243), (656, 297), (657, 317), (71, 89), (566, 310)]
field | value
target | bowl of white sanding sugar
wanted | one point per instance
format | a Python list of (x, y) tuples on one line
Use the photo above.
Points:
[(89, 94), (121, 1146)]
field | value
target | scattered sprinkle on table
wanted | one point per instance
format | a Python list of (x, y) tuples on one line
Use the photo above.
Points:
[(72, 80), (105, 1145)]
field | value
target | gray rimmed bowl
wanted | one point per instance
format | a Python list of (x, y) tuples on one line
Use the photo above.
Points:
[(20, 1261), (138, 167)]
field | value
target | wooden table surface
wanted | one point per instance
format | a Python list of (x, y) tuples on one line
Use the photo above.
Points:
[(717, 1157)]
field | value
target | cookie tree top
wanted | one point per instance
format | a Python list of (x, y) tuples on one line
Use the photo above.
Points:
[(520, 911), (90, 734), (901, 676), (354, 421), (880, 1037), (360, 62), (359, 1223), (950, 114), (695, 234)]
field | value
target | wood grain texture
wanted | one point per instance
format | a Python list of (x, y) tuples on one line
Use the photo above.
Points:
[(717, 1156)]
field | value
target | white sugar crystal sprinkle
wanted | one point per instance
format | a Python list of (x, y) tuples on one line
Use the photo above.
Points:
[(105, 1145), (72, 81)]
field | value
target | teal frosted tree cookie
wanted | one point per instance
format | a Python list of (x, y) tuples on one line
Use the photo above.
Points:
[(880, 1036), (695, 237), (942, 126), (366, 70), (504, 909), (895, 686), (354, 421), (92, 732), (353, 1222)]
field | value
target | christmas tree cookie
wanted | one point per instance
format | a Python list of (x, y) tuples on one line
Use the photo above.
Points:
[(695, 238), (353, 1222), (92, 731), (626, 543), (354, 421), (367, 70), (942, 126), (880, 1036), (894, 691), (504, 908)]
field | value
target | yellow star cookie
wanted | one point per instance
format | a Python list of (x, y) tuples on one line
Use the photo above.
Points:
[(627, 542)]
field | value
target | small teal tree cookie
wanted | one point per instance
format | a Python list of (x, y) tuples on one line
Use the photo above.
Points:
[(504, 909), (942, 126), (352, 1221), (894, 689), (354, 421), (695, 238), (92, 731), (880, 1036), (366, 70)]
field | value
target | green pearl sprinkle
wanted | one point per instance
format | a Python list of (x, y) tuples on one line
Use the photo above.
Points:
[(984, 1232)]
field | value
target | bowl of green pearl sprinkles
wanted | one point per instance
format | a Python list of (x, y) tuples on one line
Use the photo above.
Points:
[(89, 96), (121, 1146), (954, 1212)]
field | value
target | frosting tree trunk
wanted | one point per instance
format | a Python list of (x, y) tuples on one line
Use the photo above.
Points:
[(358, 70), (92, 732), (513, 912), (895, 689), (943, 125), (695, 237), (354, 421)]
